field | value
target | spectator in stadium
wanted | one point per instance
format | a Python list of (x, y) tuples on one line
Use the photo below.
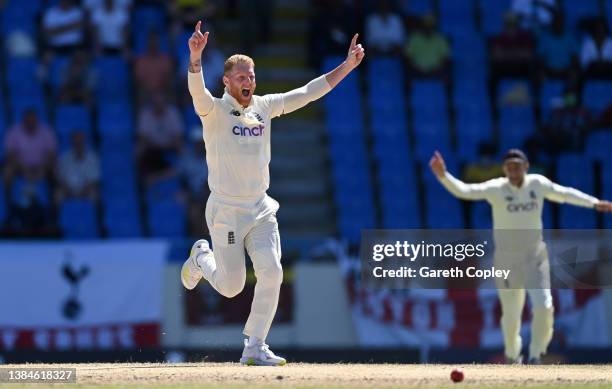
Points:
[(76, 81), (427, 51), (78, 171), (533, 14), (331, 24), (185, 13), (91, 5), (486, 167), (567, 127), (192, 170), (153, 69), (385, 34), (63, 26), (596, 51), (557, 49), (511, 52), (30, 149), (160, 131), (29, 211), (109, 23), (255, 22)]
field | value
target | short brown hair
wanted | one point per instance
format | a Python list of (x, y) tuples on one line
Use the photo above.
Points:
[(236, 59)]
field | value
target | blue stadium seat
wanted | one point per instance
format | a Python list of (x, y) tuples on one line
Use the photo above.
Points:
[(24, 96), (550, 95), (3, 204), (20, 16), (457, 17), (21, 70), (122, 217), (492, 15), (113, 81), (516, 125), (56, 71), (417, 7), (599, 144), (577, 10), (115, 120), (576, 170), (442, 209), (596, 95), (167, 219), (481, 217), (163, 189), (428, 93), (78, 219), (474, 126), (608, 13), (429, 138), (70, 118)]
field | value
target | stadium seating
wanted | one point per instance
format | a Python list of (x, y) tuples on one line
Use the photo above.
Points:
[(457, 17), (167, 219), (596, 95), (442, 209), (78, 219), (577, 10), (121, 216), (598, 145), (550, 96), (492, 15), (70, 118), (576, 170)]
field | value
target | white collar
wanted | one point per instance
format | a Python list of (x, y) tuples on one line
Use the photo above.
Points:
[(230, 99)]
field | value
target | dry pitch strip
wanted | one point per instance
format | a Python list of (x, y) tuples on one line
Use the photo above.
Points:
[(302, 375)]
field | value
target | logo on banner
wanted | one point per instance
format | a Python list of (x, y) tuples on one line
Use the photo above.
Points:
[(72, 307)]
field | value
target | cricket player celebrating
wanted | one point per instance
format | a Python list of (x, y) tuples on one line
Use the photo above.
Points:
[(516, 201), (239, 213)]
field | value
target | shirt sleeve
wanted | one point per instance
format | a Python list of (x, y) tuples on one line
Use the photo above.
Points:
[(203, 101), (565, 194), (282, 103), (460, 189)]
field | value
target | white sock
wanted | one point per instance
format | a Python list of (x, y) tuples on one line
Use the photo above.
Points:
[(253, 341)]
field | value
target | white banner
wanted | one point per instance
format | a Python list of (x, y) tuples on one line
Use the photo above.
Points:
[(81, 294)]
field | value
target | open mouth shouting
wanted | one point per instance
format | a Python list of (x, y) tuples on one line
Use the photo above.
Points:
[(246, 92)]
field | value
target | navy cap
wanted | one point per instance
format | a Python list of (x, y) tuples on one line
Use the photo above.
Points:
[(515, 155)]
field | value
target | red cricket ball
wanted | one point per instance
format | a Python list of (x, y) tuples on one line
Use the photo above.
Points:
[(456, 375)]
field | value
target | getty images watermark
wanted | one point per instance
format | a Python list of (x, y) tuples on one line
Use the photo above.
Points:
[(486, 258)]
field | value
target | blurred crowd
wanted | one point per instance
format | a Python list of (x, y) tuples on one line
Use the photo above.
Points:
[(65, 40), (533, 42)]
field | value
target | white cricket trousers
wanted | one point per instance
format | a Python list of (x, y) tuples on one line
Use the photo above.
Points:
[(531, 270), (235, 226)]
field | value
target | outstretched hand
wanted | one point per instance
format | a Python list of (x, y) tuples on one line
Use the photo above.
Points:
[(603, 206), (437, 165), (198, 41), (356, 53)]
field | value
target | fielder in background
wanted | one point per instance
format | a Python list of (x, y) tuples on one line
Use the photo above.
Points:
[(239, 213), (516, 201)]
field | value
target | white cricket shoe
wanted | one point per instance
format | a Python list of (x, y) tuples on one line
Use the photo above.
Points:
[(191, 272), (260, 355)]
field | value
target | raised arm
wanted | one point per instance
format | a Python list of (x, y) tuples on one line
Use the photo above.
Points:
[(203, 101), (455, 186), (320, 86), (565, 194)]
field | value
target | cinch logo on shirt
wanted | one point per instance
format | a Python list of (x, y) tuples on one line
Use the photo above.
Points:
[(522, 207), (249, 131)]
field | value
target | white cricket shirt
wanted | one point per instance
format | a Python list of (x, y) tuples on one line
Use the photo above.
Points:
[(237, 139)]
